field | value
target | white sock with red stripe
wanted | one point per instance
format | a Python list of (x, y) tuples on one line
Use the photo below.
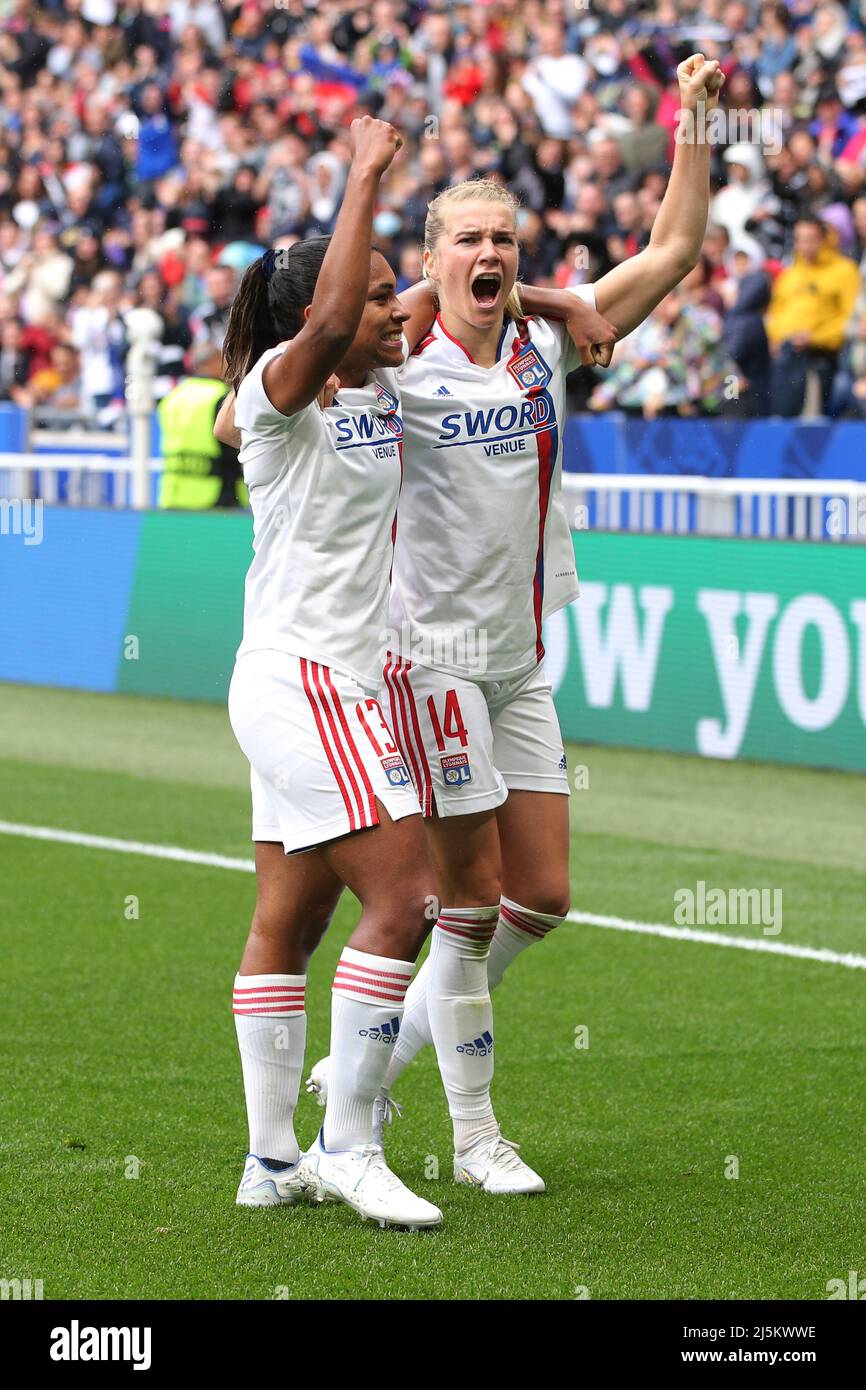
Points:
[(366, 1012), (517, 928), (461, 1016), (272, 1032)]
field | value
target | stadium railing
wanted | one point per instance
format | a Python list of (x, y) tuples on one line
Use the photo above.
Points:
[(761, 508), (102, 479)]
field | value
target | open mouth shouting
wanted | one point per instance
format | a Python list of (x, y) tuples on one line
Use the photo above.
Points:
[(486, 288)]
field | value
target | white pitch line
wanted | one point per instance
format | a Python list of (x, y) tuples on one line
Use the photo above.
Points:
[(714, 938), (73, 837), (591, 919)]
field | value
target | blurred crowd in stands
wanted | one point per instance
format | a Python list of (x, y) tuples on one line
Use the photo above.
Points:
[(151, 149)]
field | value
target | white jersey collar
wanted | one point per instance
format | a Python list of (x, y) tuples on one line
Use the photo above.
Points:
[(454, 351)]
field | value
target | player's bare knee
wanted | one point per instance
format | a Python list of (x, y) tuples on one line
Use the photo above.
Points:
[(550, 902), (405, 921), (396, 938), (272, 923), (477, 890)]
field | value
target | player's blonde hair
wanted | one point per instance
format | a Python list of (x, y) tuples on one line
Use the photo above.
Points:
[(470, 191)]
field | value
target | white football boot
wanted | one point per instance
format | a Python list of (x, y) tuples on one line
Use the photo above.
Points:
[(494, 1166), (267, 1187), (361, 1178), (317, 1081), (384, 1106)]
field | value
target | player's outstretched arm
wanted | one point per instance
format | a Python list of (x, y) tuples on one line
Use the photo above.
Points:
[(296, 377), (629, 292), (590, 331)]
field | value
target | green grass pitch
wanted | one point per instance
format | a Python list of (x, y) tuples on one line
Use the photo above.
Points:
[(120, 1043)]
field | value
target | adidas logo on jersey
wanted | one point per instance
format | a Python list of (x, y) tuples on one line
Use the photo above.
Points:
[(479, 1047), (387, 1033), (442, 391), (563, 765)]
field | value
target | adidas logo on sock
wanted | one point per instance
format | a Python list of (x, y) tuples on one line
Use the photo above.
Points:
[(479, 1047), (387, 1033)]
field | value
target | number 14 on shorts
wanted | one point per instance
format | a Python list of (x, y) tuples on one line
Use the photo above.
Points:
[(455, 766)]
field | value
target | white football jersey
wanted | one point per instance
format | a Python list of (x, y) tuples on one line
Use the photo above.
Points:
[(484, 550), (323, 488)]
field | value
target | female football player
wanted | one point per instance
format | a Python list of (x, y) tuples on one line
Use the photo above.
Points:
[(323, 488), (483, 555), (315, 591)]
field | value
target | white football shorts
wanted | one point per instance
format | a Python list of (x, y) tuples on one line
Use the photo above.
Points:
[(468, 743), (319, 749)]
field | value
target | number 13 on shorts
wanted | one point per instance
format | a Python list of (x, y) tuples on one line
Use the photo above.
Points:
[(390, 756)]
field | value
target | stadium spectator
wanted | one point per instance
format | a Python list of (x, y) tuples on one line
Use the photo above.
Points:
[(236, 207), (555, 80), (746, 297), (810, 307), (14, 363), (642, 143), (747, 190), (851, 76), (830, 26), (59, 384), (99, 336), (42, 277), (199, 472), (209, 320), (176, 336), (673, 364), (608, 166), (157, 147), (778, 48), (833, 127), (772, 222)]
